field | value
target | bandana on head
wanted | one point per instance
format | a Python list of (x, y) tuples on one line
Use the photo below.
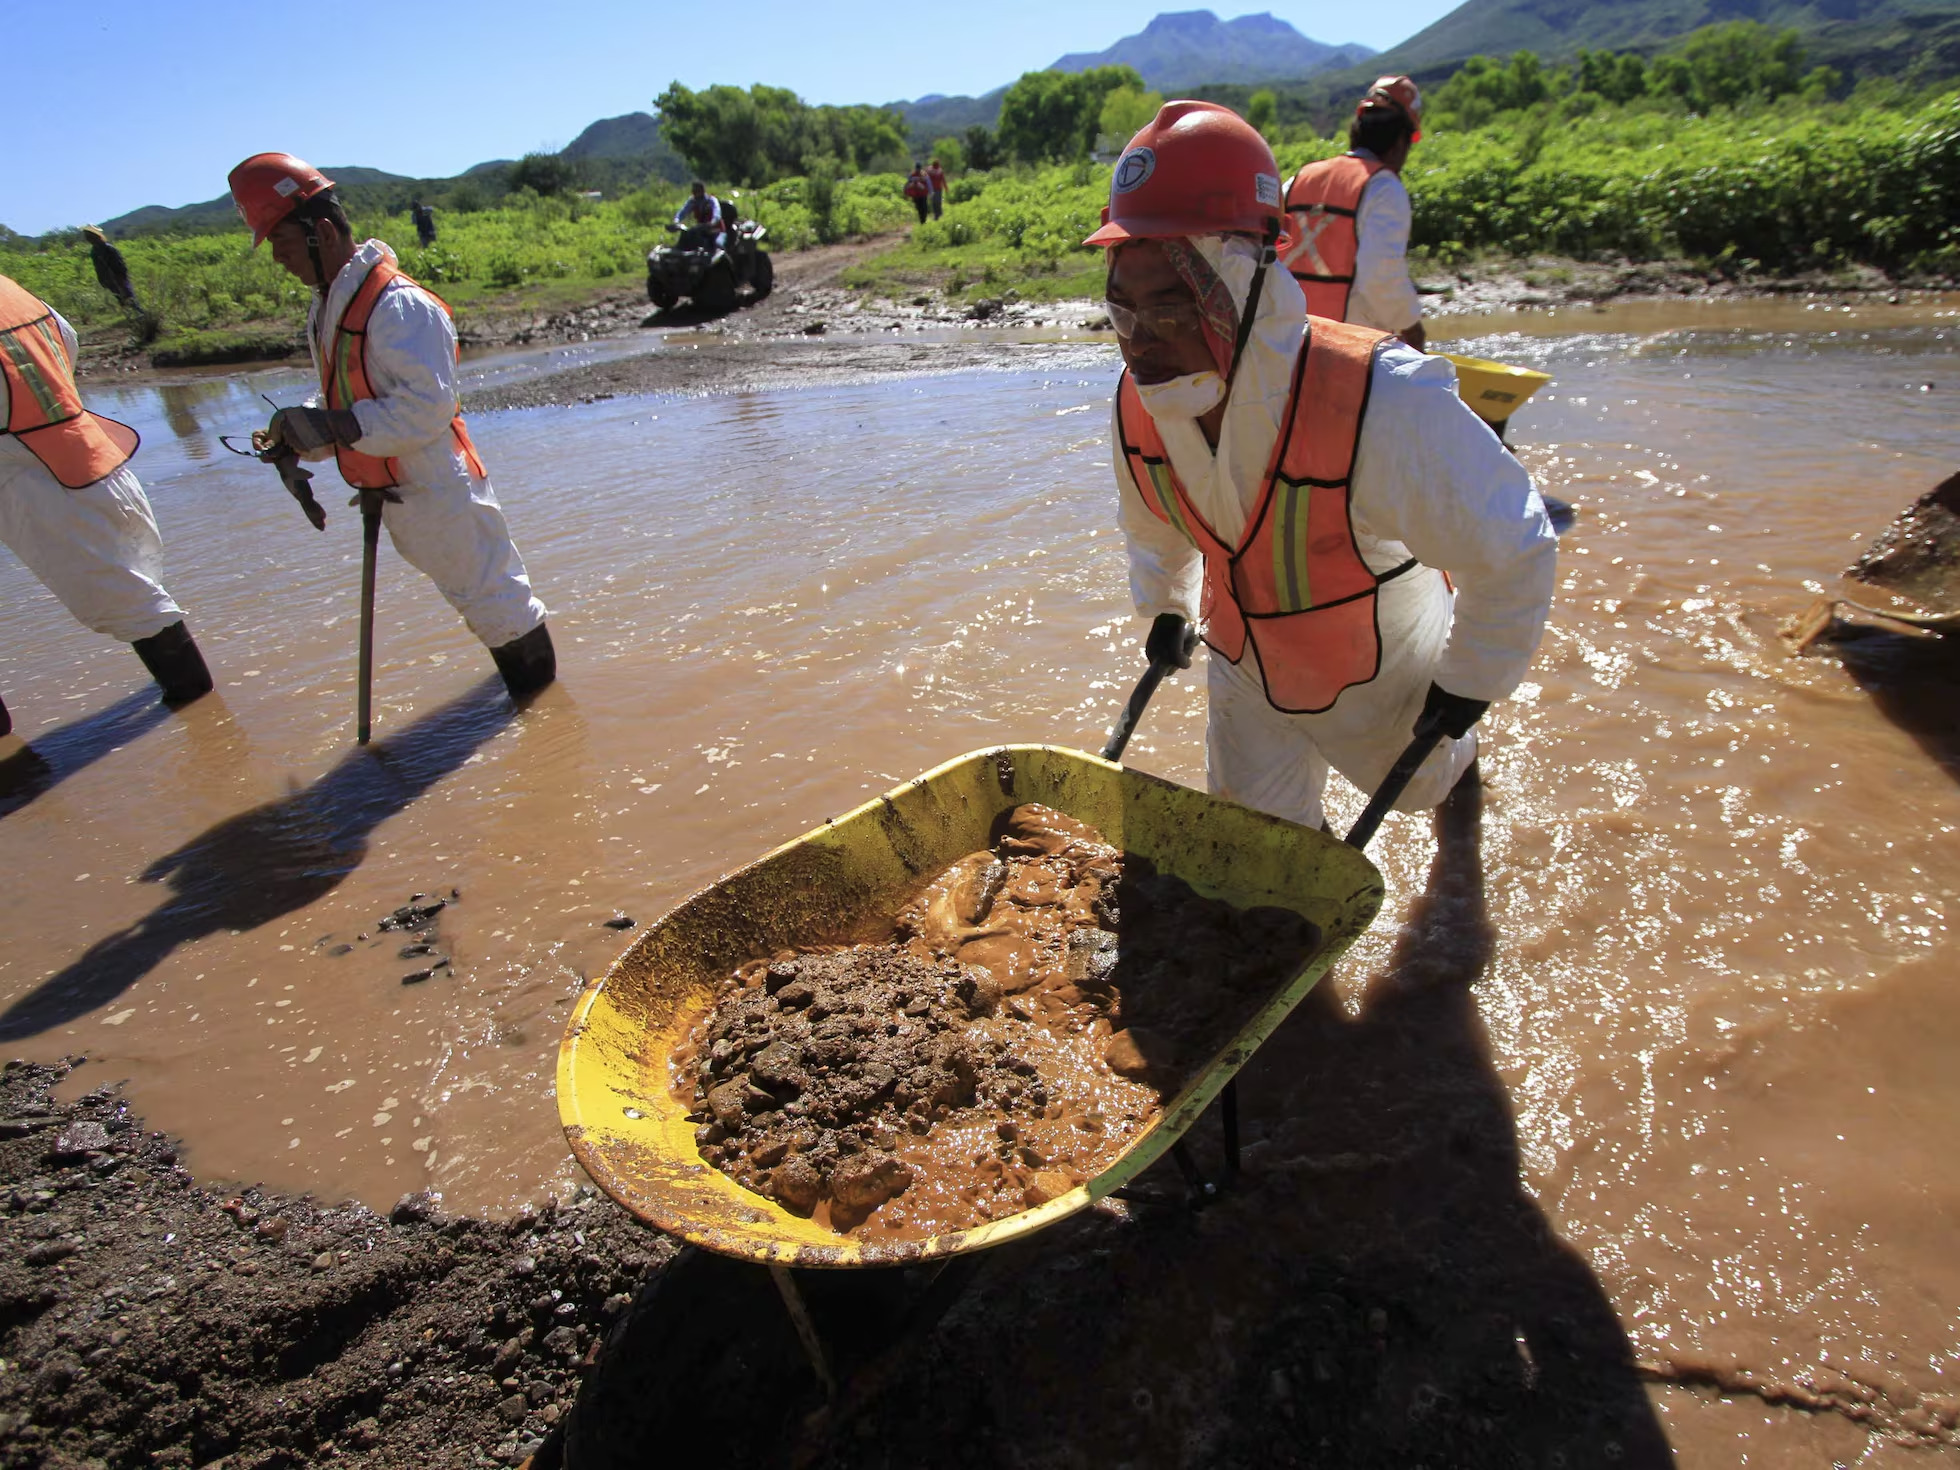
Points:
[(1218, 312)]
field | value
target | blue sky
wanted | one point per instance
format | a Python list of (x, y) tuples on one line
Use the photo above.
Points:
[(121, 103)]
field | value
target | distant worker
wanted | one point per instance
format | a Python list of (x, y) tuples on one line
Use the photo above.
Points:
[(71, 508), (424, 219), (1301, 484), (936, 179), (111, 270), (384, 349), (699, 210), (919, 191), (1351, 219)]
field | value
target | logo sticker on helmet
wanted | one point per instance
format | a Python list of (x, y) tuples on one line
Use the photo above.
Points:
[(286, 186), (1136, 166), (1265, 188)]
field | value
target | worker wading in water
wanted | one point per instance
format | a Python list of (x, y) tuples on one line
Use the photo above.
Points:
[(1350, 219), (71, 508), (1302, 484), (385, 350)]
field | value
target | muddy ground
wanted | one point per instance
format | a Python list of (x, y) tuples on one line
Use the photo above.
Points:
[(1376, 1289)]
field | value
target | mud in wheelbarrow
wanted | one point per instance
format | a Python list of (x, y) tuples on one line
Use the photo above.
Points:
[(845, 880)]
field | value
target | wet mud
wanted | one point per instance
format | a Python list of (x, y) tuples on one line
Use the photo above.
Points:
[(1038, 1004), (146, 1321)]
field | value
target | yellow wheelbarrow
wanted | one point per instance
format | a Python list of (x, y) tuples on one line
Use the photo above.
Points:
[(628, 1124), (1495, 391)]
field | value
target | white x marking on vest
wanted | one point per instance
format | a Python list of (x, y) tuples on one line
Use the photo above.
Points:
[(1314, 219)]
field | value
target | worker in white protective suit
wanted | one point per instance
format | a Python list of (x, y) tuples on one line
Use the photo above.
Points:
[(71, 508), (1302, 484), (1350, 219), (386, 353)]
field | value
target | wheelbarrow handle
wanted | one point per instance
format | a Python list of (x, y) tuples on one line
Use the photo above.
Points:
[(1394, 783), (1126, 723)]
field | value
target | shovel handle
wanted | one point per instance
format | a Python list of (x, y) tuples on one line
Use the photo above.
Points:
[(1393, 784), (1126, 723)]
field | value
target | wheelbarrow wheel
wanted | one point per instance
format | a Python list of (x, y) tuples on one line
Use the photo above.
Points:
[(706, 1359)]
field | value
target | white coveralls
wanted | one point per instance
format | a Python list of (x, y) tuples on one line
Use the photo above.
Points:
[(97, 548), (448, 525), (1431, 481), (1383, 296)]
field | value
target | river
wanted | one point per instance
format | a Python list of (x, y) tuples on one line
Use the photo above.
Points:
[(1720, 878)]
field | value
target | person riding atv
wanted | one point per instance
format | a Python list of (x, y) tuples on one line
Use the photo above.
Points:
[(715, 253)]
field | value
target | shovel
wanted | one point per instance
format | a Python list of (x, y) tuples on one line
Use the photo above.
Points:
[(370, 503)]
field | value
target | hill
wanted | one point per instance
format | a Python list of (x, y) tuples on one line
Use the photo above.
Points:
[(1189, 47), (222, 214), (1856, 35)]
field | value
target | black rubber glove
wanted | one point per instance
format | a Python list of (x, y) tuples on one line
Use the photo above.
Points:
[(1450, 713), (1170, 641), (306, 430)]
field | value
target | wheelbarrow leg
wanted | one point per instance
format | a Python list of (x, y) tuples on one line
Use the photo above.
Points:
[(806, 1328)]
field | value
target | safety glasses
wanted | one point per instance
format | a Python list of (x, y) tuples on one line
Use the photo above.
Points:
[(1160, 321)]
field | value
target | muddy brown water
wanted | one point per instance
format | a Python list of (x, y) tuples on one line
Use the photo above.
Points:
[(1719, 880)]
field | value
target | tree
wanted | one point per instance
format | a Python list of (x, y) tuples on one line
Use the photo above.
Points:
[(1617, 78), (543, 173), (1485, 87), (1739, 61), (761, 134), (951, 154), (982, 147), (1124, 112), (1052, 116), (1262, 111)]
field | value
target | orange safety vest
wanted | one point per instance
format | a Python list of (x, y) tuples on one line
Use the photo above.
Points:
[(1324, 200), (1295, 589), (44, 409), (344, 381)]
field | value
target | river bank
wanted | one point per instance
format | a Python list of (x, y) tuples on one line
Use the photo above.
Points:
[(779, 341)]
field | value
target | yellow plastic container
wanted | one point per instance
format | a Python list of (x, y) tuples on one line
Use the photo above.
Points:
[(631, 1133), (1495, 390)]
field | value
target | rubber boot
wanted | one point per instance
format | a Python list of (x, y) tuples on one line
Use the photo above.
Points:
[(528, 663), (174, 662)]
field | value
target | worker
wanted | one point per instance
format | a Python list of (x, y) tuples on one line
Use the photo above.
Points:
[(385, 350), (700, 210), (1351, 217), (111, 270), (71, 508), (918, 188), (1303, 485)]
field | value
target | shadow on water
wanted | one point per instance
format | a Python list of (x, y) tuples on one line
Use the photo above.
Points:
[(53, 757), (272, 860), (1378, 1290), (1913, 680)]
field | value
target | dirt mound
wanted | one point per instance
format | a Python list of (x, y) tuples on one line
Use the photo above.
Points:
[(147, 1322)]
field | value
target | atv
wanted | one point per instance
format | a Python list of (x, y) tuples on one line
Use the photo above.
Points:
[(710, 271)]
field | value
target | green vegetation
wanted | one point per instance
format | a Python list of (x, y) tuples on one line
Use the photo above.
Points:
[(1053, 116), (1727, 152), (758, 136), (212, 291)]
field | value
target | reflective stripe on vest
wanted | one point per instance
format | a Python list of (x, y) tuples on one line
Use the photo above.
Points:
[(44, 408), (344, 382), (1325, 200), (1295, 590)]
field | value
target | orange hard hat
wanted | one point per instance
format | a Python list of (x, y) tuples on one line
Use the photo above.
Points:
[(1399, 93), (268, 186), (1196, 168)]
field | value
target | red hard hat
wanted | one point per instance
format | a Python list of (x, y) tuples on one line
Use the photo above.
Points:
[(268, 186), (1195, 169), (1399, 93)]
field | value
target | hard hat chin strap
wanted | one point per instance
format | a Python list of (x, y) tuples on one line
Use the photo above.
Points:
[(313, 252), (1268, 253)]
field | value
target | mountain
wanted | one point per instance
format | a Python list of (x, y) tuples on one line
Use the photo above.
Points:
[(1859, 35), (1187, 48), (221, 213), (931, 118)]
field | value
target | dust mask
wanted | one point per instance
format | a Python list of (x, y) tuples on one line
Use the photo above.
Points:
[(1189, 397)]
